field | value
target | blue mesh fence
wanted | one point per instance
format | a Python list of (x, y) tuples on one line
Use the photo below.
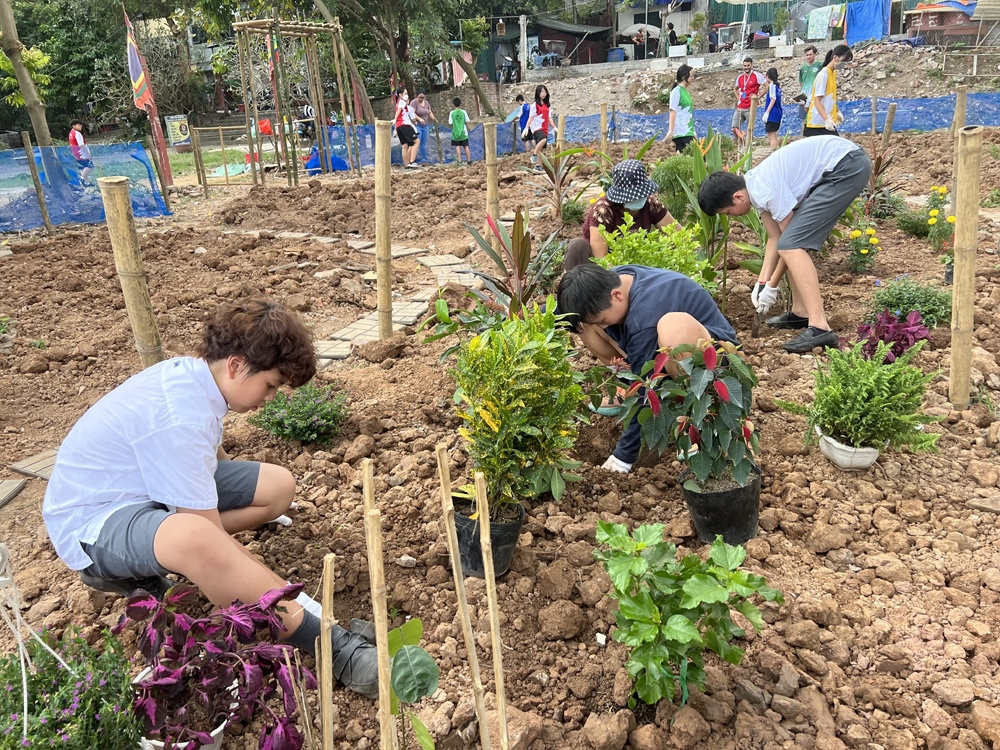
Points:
[(67, 199)]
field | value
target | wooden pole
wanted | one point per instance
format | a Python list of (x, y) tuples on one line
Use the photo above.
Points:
[(517, 136), (437, 135), (128, 263), (383, 220), (343, 101), (222, 145), (874, 115), (887, 130), (380, 609), (957, 125), (244, 57), (259, 140), (199, 163), (958, 121), (288, 117), (561, 135), (604, 127), (614, 121), (30, 153), (350, 130), (967, 166), (492, 179), (154, 154), (463, 604), (753, 120), (482, 506), (325, 654)]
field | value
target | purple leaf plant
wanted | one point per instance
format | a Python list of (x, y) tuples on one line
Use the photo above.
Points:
[(901, 335), (225, 666)]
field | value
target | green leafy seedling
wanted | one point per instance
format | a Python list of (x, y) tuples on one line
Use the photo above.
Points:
[(414, 675)]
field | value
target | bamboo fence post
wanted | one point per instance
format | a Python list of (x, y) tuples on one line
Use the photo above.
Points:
[(199, 165), (887, 129), (604, 127), (383, 219), (244, 57), (966, 201), (561, 135), (343, 101), (30, 153), (222, 145), (874, 115), (517, 135), (492, 180), (380, 609), (258, 139), (463, 604), (128, 263), (483, 508), (350, 131), (957, 125), (437, 136), (614, 122), (315, 96), (158, 168), (326, 654), (753, 120)]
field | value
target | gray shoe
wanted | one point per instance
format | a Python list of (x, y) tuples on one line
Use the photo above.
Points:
[(155, 585), (355, 662), (809, 339)]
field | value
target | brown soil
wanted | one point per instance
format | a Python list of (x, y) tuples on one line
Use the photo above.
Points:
[(891, 576)]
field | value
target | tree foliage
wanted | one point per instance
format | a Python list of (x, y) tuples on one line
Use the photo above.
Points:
[(35, 61)]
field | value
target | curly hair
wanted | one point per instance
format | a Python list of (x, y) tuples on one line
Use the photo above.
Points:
[(267, 335)]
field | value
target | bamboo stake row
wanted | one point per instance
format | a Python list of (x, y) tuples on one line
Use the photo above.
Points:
[(492, 180)]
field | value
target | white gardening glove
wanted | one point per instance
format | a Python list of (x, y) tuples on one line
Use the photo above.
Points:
[(613, 464), (830, 124), (755, 294), (767, 298)]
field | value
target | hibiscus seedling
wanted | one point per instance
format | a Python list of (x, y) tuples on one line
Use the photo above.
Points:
[(414, 675)]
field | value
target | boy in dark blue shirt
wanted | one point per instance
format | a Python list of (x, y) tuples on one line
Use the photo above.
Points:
[(634, 312)]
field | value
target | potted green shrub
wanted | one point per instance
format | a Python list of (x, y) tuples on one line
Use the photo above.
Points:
[(864, 403), (520, 400), (703, 413)]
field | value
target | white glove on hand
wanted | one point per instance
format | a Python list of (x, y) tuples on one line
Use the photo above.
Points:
[(524, 133), (767, 298), (755, 294), (613, 464), (830, 124)]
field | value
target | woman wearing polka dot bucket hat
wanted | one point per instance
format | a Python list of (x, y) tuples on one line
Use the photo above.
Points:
[(631, 192)]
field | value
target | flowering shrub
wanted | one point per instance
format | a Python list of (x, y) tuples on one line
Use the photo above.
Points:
[(82, 711), (899, 333), (917, 223), (220, 667), (864, 246), (312, 414), (942, 230)]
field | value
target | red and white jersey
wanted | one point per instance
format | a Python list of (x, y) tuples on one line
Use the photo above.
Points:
[(78, 145), (404, 113)]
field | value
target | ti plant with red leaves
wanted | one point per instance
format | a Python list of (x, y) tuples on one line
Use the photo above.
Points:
[(702, 412), (225, 666)]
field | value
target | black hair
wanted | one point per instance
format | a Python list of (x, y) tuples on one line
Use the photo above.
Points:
[(519, 98), (748, 59), (772, 75), (399, 90), (456, 102), (811, 48), (717, 191), (421, 93), (670, 25), (538, 95), (74, 123), (842, 51), (584, 292), (683, 73)]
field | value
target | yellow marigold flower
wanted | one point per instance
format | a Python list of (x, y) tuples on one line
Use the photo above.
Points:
[(951, 219), (932, 221), (593, 200), (873, 241), (864, 251), (943, 190), (870, 232), (855, 234), (933, 188), (934, 212)]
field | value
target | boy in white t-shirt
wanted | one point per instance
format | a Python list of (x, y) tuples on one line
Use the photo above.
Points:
[(141, 487), (801, 191)]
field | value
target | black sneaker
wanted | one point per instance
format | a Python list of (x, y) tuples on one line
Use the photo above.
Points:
[(355, 661), (787, 320), (809, 339), (155, 585)]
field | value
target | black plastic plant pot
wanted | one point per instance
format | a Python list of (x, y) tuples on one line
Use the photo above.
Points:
[(949, 275), (503, 537), (732, 513)]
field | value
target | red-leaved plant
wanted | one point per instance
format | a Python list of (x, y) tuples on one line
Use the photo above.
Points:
[(900, 335), (224, 666)]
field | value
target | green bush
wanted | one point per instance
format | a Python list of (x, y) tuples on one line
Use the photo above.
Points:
[(312, 414), (669, 174), (913, 223), (520, 400), (573, 212), (904, 295), (865, 402), (666, 247)]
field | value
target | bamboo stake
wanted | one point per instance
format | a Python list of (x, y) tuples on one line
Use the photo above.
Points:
[(463, 604), (887, 130), (158, 168), (199, 164), (561, 135), (128, 263), (279, 104), (437, 135), (482, 507), (352, 86), (30, 153), (614, 122), (957, 125), (492, 180), (874, 115), (325, 654), (259, 141), (753, 118), (244, 57), (343, 101), (298, 690), (322, 132), (517, 137), (380, 609), (225, 166), (604, 127), (383, 218), (967, 166), (958, 120)]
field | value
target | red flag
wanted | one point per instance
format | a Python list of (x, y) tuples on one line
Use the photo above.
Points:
[(142, 94)]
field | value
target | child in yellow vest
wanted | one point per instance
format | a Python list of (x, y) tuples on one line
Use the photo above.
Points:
[(823, 117)]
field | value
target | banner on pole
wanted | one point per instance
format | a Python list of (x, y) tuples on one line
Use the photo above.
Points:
[(142, 94)]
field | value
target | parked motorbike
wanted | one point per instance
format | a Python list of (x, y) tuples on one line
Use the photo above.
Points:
[(508, 71)]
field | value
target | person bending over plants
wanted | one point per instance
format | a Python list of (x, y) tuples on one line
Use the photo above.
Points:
[(801, 191), (141, 486), (631, 192), (635, 312)]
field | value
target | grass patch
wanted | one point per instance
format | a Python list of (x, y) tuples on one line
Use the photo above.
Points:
[(184, 163)]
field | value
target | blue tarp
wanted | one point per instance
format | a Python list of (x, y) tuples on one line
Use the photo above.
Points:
[(867, 19), (19, 209)]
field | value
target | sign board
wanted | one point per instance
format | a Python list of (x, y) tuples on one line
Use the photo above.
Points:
[(178, 130), (679, 50), (785, 51)]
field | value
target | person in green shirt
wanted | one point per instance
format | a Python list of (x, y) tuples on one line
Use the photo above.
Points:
[(458, 119), (681, 110), (807, 74)]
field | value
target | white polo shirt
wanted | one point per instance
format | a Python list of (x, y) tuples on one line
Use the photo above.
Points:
[(784, 178), (155, 437)]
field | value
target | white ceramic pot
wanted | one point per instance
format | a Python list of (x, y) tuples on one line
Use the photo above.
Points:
[(145, 744), (846, 457)]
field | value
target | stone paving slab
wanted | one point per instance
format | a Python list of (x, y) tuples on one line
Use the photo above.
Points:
[(292, 235), (5, 253), (360, 244), (9, 489), (436, 261), (326, 240), (397, 251), (39, 465), (332, 350), (450, 277), (425, 295)]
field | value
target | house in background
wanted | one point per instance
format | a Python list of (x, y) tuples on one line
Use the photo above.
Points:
[(580, 44)]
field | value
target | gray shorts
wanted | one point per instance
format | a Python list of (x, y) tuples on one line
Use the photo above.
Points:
[(124, 548), (818, 213), (740, 117)]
